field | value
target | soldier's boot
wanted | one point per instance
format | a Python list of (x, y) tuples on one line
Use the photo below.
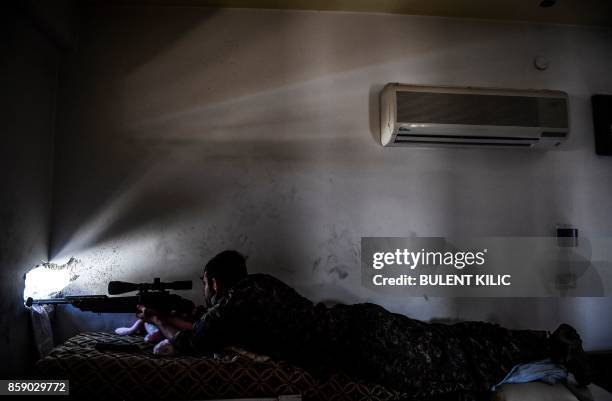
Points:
[(566, 349)]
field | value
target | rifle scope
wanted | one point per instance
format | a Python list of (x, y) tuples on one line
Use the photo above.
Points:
[(121, 287)]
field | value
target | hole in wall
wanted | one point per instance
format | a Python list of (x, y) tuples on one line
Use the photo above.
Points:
[(48, 279)]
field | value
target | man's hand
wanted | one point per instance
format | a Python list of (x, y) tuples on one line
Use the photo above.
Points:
[(150, 315), (147, 314)]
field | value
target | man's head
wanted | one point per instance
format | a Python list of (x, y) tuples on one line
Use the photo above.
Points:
[(221, 273)]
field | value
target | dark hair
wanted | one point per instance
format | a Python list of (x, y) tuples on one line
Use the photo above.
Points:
[(228, 267)]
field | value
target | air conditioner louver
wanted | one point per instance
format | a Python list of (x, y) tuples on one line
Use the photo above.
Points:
[(476, 117)]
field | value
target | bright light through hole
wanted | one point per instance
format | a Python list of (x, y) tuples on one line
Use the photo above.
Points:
[(44, 282)]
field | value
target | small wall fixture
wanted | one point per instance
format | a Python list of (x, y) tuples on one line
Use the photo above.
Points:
[(567, 236), (540, 63)]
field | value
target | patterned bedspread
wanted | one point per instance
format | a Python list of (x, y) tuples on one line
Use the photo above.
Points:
[(108, 375)]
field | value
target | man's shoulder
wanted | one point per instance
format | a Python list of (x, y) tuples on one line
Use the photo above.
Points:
[(267, 289), (259, 280)]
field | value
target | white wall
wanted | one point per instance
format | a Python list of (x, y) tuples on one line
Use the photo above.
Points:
[(186, 131)]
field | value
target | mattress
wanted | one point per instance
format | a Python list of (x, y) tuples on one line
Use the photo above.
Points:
[(97, 375)]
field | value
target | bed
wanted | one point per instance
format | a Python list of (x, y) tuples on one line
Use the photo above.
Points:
[(231, 374), (104, 375)]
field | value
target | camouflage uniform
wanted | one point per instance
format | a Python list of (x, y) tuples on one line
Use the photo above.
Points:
[(264, 315)]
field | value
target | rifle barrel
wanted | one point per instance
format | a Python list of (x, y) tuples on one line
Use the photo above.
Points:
[(63, 300)]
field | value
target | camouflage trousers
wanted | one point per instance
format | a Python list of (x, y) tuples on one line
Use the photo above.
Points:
[(428, 360)]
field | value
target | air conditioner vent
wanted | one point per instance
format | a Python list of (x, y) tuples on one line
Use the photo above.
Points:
[(462, 143), (402, 136), (554, 134)]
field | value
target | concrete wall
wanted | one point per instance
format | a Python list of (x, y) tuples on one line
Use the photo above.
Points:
[(28, 71), (186, 131)]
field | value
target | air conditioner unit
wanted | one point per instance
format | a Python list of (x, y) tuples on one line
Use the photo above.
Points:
[(414, 115)]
